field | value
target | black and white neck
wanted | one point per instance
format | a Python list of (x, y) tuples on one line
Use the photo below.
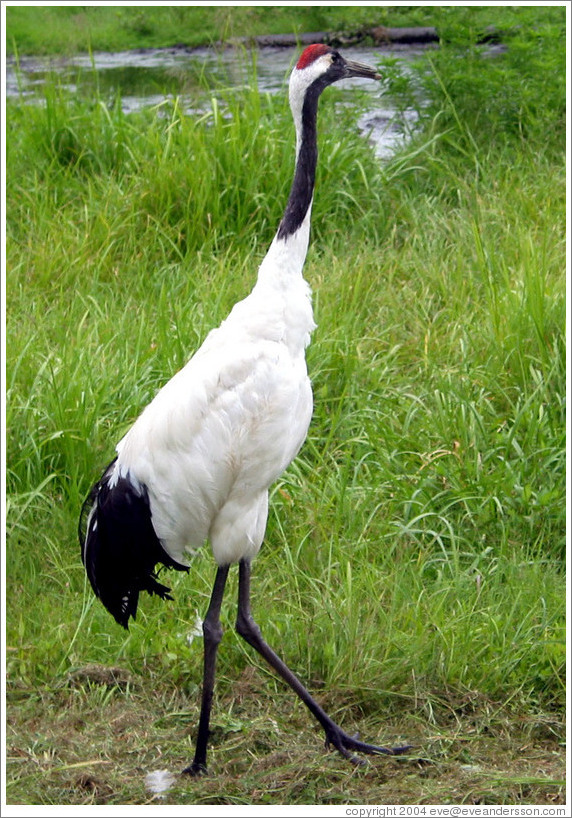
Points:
[(318, 66)]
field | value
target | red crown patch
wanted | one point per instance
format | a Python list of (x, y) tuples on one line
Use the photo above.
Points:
[(312, 53)]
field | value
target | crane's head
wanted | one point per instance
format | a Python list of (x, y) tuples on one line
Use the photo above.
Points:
[(319, 66)]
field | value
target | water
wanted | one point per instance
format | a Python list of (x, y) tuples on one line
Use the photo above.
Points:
[(147, 77)]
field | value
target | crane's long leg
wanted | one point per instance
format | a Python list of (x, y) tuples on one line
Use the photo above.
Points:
[(249, 630), (212, 631)]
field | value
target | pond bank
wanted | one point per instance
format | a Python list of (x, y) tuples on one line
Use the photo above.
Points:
[(145, 77), (374, 35)]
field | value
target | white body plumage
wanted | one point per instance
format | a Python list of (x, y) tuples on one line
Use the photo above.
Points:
[(226, 426)]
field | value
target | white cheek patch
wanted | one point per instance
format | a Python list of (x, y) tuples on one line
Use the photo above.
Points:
[(302, 78)]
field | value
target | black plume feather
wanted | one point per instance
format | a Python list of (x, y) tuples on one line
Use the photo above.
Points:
[(119, 546)]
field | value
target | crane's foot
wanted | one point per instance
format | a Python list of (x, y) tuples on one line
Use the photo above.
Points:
[(195, 768), (345, 744)]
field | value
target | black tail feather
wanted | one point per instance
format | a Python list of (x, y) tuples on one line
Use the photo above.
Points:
[(119, 546)]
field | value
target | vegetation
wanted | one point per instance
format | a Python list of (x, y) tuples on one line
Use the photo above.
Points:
[(66, 29), (69, 29), (413, 568)]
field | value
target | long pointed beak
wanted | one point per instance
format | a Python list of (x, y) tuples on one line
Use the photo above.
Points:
[(358, 69)]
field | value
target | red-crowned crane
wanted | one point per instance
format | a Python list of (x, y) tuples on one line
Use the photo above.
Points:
[(198, 462)]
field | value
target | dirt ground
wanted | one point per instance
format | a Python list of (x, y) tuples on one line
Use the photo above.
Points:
[(96, 738)]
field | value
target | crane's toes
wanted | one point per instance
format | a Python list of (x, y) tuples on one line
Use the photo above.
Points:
[(332, 740), (195, 769), (402, 749), (345, 744)]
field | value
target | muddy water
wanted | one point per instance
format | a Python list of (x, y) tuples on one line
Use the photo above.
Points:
[(147, 77)]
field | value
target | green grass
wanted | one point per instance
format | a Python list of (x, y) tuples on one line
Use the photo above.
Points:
[(70, 29), (413, 568), (73, 28)]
